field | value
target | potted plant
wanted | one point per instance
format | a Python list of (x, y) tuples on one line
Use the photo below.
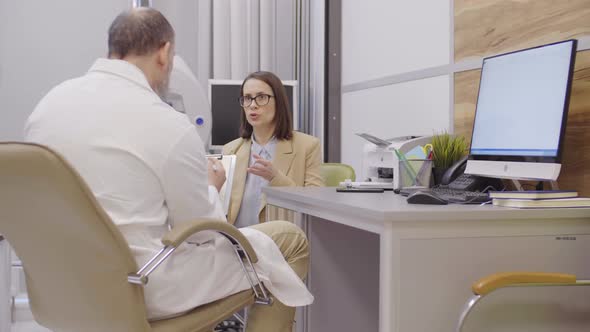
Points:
[(447, 149)]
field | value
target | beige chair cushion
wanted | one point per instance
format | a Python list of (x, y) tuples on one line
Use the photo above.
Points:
[(75, 260)]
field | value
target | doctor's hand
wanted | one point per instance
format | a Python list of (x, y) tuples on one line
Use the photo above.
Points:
[(216, 173), (263, 168)]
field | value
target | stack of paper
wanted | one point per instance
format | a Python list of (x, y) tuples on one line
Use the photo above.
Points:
[(539, 199), (534, 194)]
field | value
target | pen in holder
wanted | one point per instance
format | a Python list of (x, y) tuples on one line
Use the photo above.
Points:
[(415, 173)]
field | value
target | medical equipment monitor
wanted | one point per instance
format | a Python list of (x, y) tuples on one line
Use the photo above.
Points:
[(226, 110), (521, 113), (187, 95)]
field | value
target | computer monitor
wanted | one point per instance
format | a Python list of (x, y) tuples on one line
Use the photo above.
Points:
[(521, 113), (226, 110)]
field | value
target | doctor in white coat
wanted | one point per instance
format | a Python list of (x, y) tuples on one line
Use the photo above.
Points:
[(146, 165)]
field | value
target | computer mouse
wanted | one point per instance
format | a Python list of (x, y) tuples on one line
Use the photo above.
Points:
[(426, 197)]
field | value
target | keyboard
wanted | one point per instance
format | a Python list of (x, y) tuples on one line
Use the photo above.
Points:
[(461, 196)]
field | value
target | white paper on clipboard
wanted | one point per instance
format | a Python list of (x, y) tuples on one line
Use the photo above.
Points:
[(229, 164)]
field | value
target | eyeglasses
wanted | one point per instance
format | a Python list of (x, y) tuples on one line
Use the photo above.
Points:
[(261, 100)]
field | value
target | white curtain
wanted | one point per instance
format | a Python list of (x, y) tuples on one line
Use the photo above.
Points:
[(251, 35), (228, 39)]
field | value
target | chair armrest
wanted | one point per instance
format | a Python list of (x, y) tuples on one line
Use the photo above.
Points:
[(490, 283), (242, 247), (180, 233)]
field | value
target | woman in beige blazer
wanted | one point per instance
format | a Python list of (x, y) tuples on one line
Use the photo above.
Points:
[(269, 152)]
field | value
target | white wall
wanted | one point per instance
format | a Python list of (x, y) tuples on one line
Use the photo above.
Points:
[(43, 43), (413, 108), (385, 37), (381, 39), (183, 15)]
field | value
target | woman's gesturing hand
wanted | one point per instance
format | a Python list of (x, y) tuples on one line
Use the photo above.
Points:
[(263, 168)]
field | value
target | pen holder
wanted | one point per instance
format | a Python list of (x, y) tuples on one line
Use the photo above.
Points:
[(415, 173)]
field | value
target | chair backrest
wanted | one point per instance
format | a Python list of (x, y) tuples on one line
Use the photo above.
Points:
[(334, 173), (75, 259)]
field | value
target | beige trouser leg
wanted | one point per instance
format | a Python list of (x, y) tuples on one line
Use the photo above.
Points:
[(293, 244)]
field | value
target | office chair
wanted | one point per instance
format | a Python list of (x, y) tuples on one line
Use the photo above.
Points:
[(80, 273), (496, 281), (334, 173)]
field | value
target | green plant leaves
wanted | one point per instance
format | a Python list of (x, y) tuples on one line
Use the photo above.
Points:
[(447, 149)]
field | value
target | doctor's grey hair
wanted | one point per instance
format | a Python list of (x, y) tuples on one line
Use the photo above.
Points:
[(139, 31)]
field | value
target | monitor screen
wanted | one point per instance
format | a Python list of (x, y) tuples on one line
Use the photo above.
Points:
[(522, 106), (226, 110), (522, 103)]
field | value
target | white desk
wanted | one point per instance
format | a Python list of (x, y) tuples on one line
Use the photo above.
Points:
[(414, 264)]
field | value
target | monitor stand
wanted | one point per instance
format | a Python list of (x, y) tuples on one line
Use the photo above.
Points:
[(552, 184)]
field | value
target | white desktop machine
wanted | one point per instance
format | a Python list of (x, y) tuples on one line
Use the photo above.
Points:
[(380, 162)]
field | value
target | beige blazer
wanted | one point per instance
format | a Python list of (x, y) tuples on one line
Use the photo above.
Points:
[(298, 164)]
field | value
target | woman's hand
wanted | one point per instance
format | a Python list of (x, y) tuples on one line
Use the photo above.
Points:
[(263, 168)]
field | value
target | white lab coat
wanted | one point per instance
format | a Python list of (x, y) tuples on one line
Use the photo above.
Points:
[(146, 165)]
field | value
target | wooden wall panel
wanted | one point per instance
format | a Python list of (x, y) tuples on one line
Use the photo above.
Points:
[(486, 27), (466, 89), (575, 173)]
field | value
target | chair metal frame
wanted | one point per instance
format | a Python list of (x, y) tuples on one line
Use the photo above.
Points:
[(141, 276), (478, 295)]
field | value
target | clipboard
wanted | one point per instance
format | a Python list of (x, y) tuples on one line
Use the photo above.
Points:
[(229, 164)]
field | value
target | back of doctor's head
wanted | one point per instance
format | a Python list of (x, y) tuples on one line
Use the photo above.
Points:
[(139, 31)]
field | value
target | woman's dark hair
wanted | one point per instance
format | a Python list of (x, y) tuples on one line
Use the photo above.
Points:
[(283, 123)]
